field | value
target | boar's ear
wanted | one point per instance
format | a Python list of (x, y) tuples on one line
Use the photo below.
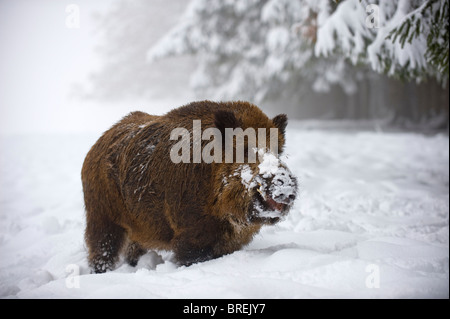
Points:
[(225, 119), (280, 121)]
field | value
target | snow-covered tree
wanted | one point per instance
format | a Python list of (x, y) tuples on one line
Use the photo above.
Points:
[(257, 48), (252, 48), (431, 22), (410, 40)]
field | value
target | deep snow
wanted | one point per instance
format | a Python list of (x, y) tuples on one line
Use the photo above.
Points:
[(372, 220)]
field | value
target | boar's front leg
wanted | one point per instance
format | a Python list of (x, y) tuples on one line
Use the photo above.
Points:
[(199, 242)]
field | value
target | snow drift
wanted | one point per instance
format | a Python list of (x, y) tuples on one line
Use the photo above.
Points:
[(371, 220)]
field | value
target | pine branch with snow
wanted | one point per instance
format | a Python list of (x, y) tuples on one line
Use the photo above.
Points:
[(427, 24), (411, 42)]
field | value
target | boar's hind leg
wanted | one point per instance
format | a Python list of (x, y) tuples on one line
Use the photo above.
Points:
[(133, 253), (104, 240)]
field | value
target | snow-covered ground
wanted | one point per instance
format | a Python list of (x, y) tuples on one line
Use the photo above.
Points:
[(372, 221)]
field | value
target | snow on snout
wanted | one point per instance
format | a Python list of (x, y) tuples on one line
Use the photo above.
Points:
[(273, 179), (269, 166), (283, 186)]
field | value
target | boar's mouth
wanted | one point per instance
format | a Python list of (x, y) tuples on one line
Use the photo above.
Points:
[(275, 206), (267, 210)]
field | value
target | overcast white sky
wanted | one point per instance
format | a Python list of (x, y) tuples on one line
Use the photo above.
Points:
[(40, 58)]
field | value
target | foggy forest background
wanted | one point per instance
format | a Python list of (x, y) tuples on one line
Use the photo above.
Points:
[(311, 59)]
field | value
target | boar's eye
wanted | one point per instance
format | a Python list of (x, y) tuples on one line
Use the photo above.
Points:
[(225, 119)]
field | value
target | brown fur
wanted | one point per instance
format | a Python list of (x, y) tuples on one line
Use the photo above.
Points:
[(137, 199)]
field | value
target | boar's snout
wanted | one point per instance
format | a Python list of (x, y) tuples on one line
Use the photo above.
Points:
[(275, 193)]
